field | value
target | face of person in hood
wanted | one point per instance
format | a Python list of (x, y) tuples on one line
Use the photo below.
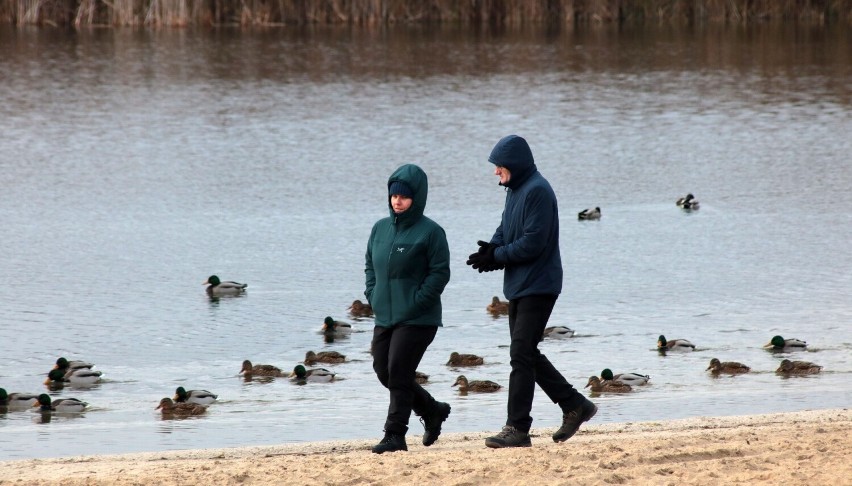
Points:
[(503, 173), (400, 203)]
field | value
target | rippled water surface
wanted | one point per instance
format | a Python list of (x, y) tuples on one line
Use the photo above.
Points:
[(133, 164)]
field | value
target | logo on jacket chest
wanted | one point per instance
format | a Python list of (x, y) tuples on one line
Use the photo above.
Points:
[(400, 249)]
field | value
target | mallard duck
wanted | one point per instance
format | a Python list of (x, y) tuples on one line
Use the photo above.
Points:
[(199, 397), (360, 309), (421, 378), (78, 377), (65, 365), (218, 287), (687, 202), (497, 306), (788, 367), (457, 359), (17, 400), (599, 386), (590, 213), (260, 370), (632, 379), (479, 386), (168, 407), (558, 332), (674, 344), (727, 367), (45, 404), (778, 343), (336, 328), (320, 375), (323, 357)]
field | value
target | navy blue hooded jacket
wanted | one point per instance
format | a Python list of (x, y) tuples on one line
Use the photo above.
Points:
[(528, 235)]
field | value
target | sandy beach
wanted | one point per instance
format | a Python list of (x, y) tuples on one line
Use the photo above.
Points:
[(810, 447)]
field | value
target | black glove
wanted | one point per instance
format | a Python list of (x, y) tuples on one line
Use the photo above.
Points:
[(483, 259)]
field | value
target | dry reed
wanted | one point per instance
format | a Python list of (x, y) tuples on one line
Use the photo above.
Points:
[(179, 13)]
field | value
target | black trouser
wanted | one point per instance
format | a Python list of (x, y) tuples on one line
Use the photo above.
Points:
[(527, 319), (397, 352)]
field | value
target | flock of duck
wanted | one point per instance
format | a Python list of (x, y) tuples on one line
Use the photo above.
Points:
[(608, 382), (80, 374), (624, 382), (195, 402), (687, 203)]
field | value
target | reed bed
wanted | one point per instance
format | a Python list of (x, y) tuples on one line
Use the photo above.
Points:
[(247, 13)]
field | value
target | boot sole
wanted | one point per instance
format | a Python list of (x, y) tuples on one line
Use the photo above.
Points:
[(495, 445)]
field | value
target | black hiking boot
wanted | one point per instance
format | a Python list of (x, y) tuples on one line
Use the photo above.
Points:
[(509, 437), (432, 422), (572, 420), (390, 443)]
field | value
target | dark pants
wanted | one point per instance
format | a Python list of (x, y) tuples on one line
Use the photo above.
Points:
[(527, 319), (397, 352)]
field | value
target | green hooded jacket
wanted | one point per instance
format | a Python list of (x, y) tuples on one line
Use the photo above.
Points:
[(408, 260)]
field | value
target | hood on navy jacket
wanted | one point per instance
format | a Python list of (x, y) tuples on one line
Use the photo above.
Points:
[(513, 153), (528, 234)]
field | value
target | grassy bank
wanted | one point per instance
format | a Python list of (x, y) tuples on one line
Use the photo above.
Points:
[(179, 13)]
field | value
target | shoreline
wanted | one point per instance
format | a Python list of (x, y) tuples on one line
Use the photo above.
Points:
[(808, 447)]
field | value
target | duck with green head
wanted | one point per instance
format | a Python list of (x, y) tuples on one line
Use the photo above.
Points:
[(17, 401), (65, 365), (335, 328), (624, 378), (199, 397), (674, 344), (45, 404), (79, 377), (316, 375), (215, 286), (778, 343)]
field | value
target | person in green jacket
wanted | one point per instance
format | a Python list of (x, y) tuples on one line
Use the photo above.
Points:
[(407, 268)]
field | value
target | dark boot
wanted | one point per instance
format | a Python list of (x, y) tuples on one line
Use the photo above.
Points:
[(509, 437), (432, 422), (390, 443), (572, 420)]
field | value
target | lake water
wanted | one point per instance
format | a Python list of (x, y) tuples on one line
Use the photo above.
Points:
[(134, 164)]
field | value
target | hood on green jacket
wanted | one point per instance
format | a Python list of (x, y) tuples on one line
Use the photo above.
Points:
[(416, 179)]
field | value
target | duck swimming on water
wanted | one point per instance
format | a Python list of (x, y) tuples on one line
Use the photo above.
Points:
[(687, 202), (215, 286), (199, 397), (590, 213), (727, 367), (624, 378), (778, 343), (674, 344)]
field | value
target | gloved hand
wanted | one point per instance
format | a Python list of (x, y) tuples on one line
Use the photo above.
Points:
[(483, 259)]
